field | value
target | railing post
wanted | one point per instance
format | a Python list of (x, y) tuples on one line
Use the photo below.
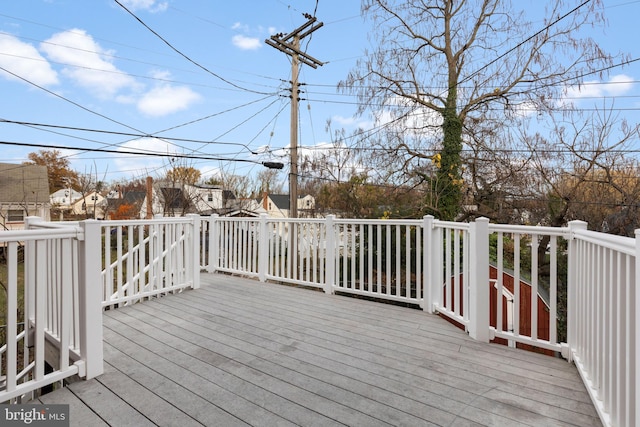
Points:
[(479, 281), (30, 221), (214, 244), (573, 264), (429, 261), (90, 298), (263, 247), (635, 346), (330, 254), (194, 268)]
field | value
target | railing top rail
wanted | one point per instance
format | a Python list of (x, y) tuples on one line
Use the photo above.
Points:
[(51, 225), (252, 219), (529, 229), (39, 234), (323, 220), (127, 222), (626, 245), (390, 221), (452, 225)]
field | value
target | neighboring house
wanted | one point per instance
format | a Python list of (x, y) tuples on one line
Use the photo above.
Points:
[(64, 198), (62, 201), (277, 205), (93, 205), (169, 200), (244, 208), (24, 191), (125, 205), (209, 199)]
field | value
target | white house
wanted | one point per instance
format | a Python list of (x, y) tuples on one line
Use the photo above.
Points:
[(64, 198), (277, 205), (92, 206), (169, 200)]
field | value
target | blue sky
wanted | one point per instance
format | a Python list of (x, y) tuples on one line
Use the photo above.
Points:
[(90, 64)]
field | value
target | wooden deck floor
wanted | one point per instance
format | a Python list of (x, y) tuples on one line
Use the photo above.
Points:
[(240, 352)]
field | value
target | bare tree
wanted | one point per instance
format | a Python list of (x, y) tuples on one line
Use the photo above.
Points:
[(87, 184), (586, 170), (468, 63)]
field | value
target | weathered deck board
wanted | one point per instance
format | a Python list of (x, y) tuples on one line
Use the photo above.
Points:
[(240, 352)]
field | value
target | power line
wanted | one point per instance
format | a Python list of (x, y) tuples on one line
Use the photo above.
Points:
[(68, 100), (134, 135), (137, 153), (202, 67), (546, 27), (122, 73)]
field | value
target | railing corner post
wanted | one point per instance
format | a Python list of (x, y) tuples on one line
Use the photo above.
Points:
[(30, 221), (430, 285), (479, 328), (572, 266), (636, 344), (213, 243), (330, 254), (195, 250), (90, 298), (263, 247)]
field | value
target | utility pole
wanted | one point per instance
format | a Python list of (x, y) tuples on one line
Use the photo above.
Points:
[(290, 44)]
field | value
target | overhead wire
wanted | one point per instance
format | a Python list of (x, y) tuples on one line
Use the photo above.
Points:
[(176, 50), (129, 152), (523, 42), (69, 100)]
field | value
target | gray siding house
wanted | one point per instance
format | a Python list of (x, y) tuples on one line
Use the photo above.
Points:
[(24, 191)]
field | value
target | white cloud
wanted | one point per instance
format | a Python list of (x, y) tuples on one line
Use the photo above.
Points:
[(149, 5), (523, 109), (616, 86), (87, 63), (343, 121), (246, 43), (351, 122), (420, 121), (166, 99), (25, 61), (588, 89), (239, 26)]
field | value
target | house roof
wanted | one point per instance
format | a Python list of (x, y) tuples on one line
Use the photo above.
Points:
[(23, 183), (280, 200), (134, 197)]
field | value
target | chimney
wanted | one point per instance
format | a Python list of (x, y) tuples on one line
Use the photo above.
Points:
[(149, 198), (265, 201)]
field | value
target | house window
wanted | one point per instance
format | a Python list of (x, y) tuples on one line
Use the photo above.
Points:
[(210, 197), (94, 197), (15, 215)]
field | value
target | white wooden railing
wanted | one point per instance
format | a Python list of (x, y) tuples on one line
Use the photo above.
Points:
[(145, 259), (604, 329), (59, 277), (48, 306), (337, 255), (498, 282)]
